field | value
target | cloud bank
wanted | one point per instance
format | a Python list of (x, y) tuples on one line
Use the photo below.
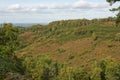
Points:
[(36, 12), (81, 4)]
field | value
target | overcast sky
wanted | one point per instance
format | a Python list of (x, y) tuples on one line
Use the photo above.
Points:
[(44, 11)]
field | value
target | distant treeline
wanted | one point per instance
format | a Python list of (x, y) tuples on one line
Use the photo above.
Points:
[(68, 23), (80, 22)]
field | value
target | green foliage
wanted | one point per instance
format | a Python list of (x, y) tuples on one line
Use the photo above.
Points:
[(112, 1), (78, 22), (94, 35), (115, 9), (8, 38), (8, 43), (60, 50), (110, 45), (64, 31), (80, 32), (69, 73), (117, 37), (96, 74), (112, 71), (106, 69), (70, 56), (41, 68)]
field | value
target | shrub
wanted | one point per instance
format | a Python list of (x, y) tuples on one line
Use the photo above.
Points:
[(41, 68), (61, 50), (110, 45), (70, 56), (69, 73), (106, 69), (94, 36), (117, 37)]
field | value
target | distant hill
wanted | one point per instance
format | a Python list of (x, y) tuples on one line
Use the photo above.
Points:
[(88, 39), (26, 24)]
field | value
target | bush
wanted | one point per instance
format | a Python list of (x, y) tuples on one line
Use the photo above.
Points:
[(117, 37), (70, 56), (69, 73), (94, 36), (106, 69), (61, 50), (41, 68), (110, 45)]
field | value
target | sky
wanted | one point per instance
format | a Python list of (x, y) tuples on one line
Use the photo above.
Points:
[(45, 11)]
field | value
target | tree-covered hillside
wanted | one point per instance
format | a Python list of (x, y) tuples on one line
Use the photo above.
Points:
[(62, 50)]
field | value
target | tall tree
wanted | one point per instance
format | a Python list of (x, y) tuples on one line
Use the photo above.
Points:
[(8, 43), (115, 9), (112, 1)]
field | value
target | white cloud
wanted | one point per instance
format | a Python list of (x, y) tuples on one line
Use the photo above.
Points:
[(14, 7), (17, 8), (79, 9), (60, 6), (36, 12), (84, 4), (81, 4)]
